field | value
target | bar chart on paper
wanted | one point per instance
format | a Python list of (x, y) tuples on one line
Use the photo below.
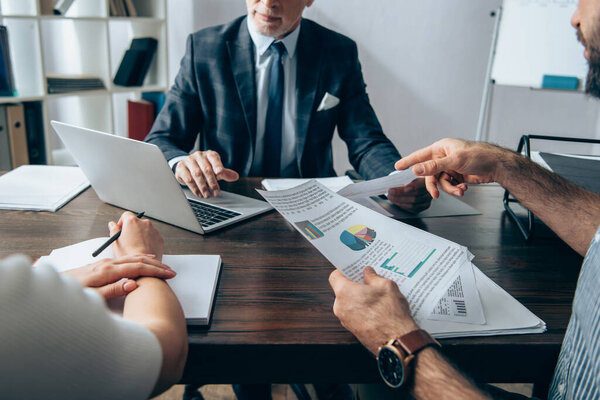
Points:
[(408, 262)]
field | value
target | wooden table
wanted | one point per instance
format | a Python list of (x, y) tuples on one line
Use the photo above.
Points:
[(273, 319)]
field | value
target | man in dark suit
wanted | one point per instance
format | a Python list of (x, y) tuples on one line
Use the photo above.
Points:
[(265, 93)]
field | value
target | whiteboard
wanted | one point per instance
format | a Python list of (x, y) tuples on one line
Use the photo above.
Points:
[(536, 38)]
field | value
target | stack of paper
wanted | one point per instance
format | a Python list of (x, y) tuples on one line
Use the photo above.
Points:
[(503, 315), (443, 288), (194, 285), (40, 187)]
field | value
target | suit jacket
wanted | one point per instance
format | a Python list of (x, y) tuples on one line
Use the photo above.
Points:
[(214, 96)]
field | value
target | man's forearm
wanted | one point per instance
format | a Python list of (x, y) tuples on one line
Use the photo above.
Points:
[(434, 378), (569, 210)]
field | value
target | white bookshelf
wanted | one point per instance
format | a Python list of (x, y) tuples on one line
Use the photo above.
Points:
[(85, 41)]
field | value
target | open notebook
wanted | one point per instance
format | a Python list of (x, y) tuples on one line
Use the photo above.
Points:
[(194, 285)]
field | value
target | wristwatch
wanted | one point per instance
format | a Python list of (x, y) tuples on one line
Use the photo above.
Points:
[(394, 359)]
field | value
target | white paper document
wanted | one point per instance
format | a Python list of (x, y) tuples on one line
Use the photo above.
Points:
[(504, 315), (334, 183), (375, 187), (461, 302), (194, 285), (364, 193), (40, 187), (352, 237), (448, 296)]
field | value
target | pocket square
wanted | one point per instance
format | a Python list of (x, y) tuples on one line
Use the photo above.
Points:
[(329, 101)]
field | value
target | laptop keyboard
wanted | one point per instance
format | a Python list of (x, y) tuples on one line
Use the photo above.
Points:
[(208, 214)]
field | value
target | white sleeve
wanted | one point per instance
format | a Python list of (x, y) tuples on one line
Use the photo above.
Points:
[(174, 161), (60, 341)]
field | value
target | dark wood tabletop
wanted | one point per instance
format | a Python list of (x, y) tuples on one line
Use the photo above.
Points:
[(273, 320)]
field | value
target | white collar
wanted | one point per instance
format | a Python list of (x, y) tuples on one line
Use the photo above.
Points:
[(262, 42)]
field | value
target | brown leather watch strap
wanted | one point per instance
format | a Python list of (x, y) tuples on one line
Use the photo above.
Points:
[(414, 341)]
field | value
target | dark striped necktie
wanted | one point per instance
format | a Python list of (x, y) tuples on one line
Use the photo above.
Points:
[(274, 120)]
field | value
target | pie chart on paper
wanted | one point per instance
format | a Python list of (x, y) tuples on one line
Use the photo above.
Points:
[(358, 237)]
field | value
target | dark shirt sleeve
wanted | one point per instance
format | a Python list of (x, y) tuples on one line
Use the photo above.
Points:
[(370, 152), (180, 120)]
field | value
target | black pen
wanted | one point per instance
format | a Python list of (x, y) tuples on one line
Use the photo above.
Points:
[(112, 239)]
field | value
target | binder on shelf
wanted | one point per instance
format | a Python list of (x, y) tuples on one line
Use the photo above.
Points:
[(156, 98), (136, 62), (7, 80), (130, 66), (140, 117), (15, 119), (61, 6), (117, 8), (34, 126), (121, 8), (5, 158), (527, 229)]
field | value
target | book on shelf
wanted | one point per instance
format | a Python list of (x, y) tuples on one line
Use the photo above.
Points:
[(62, 6), (15, 120), (140, 117), (156, 98), (47, 7), (136, 62), (72, 83), (34, 126), (5, 157), (122, 8), (130, 7), (7, 80)]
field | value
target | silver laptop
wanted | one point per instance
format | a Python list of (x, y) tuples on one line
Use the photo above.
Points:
[(135, 175)]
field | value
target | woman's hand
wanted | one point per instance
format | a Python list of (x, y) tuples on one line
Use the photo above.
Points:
[(114, 277), (138, 236)]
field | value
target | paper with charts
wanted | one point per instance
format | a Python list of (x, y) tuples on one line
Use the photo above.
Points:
[(436, 275), (352, 237)]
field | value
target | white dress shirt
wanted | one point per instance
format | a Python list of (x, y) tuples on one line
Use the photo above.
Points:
[(263, 58)]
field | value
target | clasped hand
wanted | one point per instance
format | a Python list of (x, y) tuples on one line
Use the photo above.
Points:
[(138, 253)]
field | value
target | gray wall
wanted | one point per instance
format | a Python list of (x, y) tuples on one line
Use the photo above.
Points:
[(424, 63)]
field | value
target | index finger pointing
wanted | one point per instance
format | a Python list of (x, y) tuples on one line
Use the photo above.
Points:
[(415, 157), (436, 166)]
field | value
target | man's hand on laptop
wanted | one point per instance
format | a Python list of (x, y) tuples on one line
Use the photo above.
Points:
[(200, 172)]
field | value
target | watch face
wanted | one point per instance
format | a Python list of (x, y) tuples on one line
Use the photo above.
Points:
[(391, 367)]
